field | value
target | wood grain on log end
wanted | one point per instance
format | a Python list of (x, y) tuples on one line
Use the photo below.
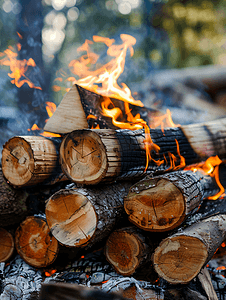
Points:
[(71, 218), (122, 250), (83, 157), (69, 114), (156, 205), (179, 259), (6, 245), (35, 243), (28, 160)]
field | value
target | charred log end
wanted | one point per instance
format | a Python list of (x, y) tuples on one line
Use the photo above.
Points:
[(83, 157), (28, 160), (122, 250), (159, 208), (6, 245), (71, 218), (34, 242), (179, 259)]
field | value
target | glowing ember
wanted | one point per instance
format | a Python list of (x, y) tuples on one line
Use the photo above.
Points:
[(221, 268), (211, 168), (50, 272), (18, 67)]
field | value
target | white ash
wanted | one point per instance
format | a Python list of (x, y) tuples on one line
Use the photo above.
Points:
[(20, 280)]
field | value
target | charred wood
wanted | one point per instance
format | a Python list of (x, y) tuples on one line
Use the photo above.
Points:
[(13, 207), (162, 203)]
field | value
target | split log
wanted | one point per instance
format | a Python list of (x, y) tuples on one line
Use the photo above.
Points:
[(80, 217), (30, 160), (90, 156), (35, 243), (162, 203), (180, 257), (129, 250), (6, 245), (79, 103), (13, 208)]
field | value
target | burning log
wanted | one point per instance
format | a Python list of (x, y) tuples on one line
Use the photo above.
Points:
[(128, 250), (180, 257), (80, 109), (13, 206), (30, 160), (6, 245), (162, 203), (80, 217), (90, 156), (34, 242)]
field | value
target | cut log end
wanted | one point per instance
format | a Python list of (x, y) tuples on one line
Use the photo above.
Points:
[(122, 250), (6, 245), (35, 243), (71, 218), (83, 157), (158, 208), (179, 259), (17, 161)]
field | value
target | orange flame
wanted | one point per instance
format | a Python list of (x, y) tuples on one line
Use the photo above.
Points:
[(18, 67), (103, 81), (211, 168), (50, 273)]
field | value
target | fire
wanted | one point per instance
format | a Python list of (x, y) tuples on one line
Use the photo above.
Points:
[(211, 168), (50, 272), (18, 67)]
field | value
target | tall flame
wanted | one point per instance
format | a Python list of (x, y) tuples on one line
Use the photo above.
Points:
[(18, 67)]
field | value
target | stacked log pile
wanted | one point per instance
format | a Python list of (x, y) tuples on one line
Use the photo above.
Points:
[(97, 206)]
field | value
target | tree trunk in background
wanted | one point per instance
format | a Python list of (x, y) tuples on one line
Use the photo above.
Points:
[(29, 26)]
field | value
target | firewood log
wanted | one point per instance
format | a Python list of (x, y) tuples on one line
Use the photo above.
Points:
[(181, 256), (68, 291), (80, 217), (6, 245), (35, 243), (13, 208), (79, 103), (30, 160), (90, 156), (128, 249), (162, 203)]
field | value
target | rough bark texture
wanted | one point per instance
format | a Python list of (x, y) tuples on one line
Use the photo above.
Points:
[(84, 216), (162, 203), (13, 206), (124, 152), (34, 242), (30, 160), (180, 257), (128, 249), (6, 245)]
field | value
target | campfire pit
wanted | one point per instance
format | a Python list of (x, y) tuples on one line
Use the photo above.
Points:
[(94, 217)]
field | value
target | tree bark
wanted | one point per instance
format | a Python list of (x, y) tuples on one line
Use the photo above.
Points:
[(162, 203), (6, 245), (180, 257), (13, 208), (30, 160), (34, 242), (80, 217)]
